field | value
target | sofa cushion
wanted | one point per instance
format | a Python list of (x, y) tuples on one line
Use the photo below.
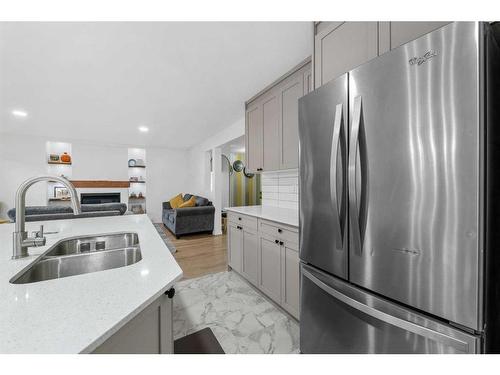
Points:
[(187, 197), (200, 201), (191, 202), (176, 201), (37, 213)]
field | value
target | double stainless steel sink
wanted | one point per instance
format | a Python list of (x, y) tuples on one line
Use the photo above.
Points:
[(80, 255)]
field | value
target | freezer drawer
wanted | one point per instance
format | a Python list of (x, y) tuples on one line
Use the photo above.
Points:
[(337, 317)]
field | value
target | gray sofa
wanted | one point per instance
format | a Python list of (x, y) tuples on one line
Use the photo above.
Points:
[(188, 220), (41, 213)]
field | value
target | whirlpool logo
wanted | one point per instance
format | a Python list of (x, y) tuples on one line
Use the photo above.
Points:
[(422, 59)]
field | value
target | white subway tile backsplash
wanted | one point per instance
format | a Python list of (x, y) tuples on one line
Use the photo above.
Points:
[(288, 197), (270, 189), (280, 189), (268, 195), (286, 189), (288, 181), (270, 202), (291, 205), (269, 181)]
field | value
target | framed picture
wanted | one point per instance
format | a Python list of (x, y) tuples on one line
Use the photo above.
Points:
[(61, 192)]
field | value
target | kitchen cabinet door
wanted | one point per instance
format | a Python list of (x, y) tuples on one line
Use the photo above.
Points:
[(149, 332), (290, 279), (271, 123), (235, 247), (394, 34), (270, 267), (291, 90), (250, 255), (254, 137), (342, 46)]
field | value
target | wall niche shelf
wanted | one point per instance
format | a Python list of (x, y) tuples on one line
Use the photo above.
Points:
[(137, 179), (58, 162)]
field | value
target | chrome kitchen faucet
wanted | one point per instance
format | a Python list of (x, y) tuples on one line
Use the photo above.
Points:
[(20, 238)]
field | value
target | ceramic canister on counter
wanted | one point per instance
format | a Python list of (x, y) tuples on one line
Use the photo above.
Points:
[(65, 158)]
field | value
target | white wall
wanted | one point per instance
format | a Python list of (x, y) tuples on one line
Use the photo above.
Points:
[(167, 171), (99, 162), (22, 157), (199, 176), (199, 161)]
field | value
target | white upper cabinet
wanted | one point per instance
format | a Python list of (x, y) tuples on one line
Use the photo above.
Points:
[(272, 136), (290, 92), (342, 46), (271, 121), (254, 137), (394, 34)]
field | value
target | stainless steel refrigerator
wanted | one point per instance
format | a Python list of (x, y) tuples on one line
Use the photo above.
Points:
[(398, 216)]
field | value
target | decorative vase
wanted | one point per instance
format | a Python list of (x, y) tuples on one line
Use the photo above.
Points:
[(65, 158)]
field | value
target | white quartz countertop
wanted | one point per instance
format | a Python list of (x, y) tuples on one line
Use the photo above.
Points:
[(277, 214), (76, 314)]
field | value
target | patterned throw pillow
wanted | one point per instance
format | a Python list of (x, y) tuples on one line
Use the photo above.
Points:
[(176, 201), (191, 202)]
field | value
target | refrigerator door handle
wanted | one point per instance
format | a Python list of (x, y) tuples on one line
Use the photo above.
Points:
[(390, 319), (337, 127), (353, 152)]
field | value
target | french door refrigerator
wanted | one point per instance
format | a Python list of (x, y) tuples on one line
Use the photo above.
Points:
[(398, 216)]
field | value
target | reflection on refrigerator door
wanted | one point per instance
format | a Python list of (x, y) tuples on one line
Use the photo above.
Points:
[(337, 317)]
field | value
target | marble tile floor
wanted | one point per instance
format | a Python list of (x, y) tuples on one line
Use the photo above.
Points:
[(241, 318)]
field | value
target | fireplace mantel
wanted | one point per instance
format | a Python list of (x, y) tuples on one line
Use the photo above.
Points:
[(100, 184)]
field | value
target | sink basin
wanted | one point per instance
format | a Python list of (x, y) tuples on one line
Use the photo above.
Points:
[(80, 255), (78, 245)]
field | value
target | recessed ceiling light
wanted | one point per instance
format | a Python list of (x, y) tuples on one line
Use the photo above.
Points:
[(19, 113), (143, 129)]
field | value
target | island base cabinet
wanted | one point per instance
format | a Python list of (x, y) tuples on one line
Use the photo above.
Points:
[(150, 332)]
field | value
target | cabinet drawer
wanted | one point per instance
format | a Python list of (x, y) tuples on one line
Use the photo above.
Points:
[(248, 222), (282, 232)]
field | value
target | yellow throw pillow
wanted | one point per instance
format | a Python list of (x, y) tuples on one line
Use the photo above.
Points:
[(191, 202), (176, 201)]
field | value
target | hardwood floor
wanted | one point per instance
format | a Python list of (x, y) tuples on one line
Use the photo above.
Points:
[(200, 254)]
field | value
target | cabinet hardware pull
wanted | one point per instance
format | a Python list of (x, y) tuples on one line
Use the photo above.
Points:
[(239, 218), (276, 241), (170, 293), (279, 230), (281, 243)]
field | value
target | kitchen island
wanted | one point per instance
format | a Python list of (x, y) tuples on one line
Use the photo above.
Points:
[(81, 314)]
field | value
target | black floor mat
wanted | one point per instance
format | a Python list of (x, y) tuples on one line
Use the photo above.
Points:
[(200, 342)]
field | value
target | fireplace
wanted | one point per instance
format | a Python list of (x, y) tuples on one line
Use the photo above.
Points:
[(98, 198)]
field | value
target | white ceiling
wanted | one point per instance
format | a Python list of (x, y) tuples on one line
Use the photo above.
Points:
[(101, 81), (236, 145)]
